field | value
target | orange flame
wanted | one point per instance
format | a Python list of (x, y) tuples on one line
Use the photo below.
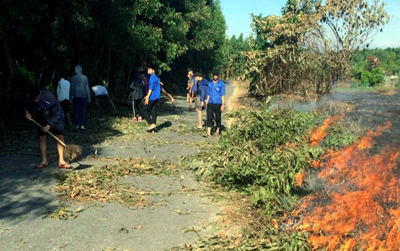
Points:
[(299, 179), (360, 209), (320, 133)]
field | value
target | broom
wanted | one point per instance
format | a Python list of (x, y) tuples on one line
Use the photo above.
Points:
[(70, 151)]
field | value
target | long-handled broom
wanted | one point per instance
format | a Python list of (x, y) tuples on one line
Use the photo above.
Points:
[(70, 151)]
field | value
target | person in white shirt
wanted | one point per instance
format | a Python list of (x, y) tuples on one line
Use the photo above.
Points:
[(100, 92), (63, 96)]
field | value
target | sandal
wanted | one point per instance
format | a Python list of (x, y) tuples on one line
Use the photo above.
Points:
[(206, 135), (199, 127), (41, 165), (151, 129), (65, 166)]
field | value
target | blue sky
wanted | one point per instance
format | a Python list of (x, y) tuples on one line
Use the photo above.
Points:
[(237, 15)]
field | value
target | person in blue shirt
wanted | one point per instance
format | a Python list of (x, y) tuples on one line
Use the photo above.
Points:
[(202, 84), (151, 100), (215, 103)]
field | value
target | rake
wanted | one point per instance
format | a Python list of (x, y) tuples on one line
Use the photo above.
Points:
[(70, 151)]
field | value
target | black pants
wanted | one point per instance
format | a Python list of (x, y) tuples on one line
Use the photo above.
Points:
[(213, 110), (136, 107), (149, 112)]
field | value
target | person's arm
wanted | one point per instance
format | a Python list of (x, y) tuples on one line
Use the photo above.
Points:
[(223, 96), (208, 94), (152, 84), (56, 113), (223, 103)]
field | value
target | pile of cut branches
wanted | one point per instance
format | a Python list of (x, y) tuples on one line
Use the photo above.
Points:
[(101, 184)]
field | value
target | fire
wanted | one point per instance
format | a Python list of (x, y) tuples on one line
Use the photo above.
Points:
[(359, 208), (320, 133)]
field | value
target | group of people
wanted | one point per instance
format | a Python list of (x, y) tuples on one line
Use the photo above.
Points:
[(211, 98), (147, 90), (53, 112)]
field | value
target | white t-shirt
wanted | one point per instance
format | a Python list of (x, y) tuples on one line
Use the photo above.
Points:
[(99, 90), (63, 90)]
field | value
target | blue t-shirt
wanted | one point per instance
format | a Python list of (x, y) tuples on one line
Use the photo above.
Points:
[(155, 87), (194, 88), (216, 91), (203, 88)]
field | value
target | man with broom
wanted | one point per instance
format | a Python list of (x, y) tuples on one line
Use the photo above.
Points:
[(50, 116)]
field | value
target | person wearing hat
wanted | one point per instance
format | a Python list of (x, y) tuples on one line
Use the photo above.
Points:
[(48, 112), (215, 103), (203, 90), (151, 100)]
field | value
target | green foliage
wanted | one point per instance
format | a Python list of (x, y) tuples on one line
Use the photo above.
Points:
[(261, 155), (373, 78), (389, 60), (307, 49), (339, 137), (233, 63), (266, 239), (365, 78), (377, 77)]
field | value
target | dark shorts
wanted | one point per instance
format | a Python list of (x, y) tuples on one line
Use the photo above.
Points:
[(52, 130), (42, 121), (65, 106)]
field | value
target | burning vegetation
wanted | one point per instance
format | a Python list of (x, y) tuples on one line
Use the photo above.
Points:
[(358, 207), (319, 188)]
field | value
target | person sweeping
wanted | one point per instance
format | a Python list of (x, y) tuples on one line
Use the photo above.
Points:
[(49, 114)]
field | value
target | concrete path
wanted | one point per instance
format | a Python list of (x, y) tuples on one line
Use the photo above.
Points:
[(174, 217)]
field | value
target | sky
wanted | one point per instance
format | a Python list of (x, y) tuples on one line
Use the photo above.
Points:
[(237, 14)]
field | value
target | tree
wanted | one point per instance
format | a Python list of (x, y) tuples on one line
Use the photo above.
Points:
[(111, 39), (311, 44)]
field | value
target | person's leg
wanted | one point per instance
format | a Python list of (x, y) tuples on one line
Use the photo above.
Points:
[(60, 149), (65, 107), (137, 107), (43, 149), (210, 118), (145, 112), (134, 108), (83, 107), (190, 100), (61, 161), (68, 118), (153, 110), (218, 119), (199, 117), (76, 112), (196, 102)]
